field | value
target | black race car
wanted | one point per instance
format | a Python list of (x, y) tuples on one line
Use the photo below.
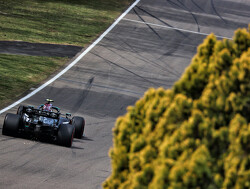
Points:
[(39, 122)]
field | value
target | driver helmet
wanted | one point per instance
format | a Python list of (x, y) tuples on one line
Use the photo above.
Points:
[(48, 106)]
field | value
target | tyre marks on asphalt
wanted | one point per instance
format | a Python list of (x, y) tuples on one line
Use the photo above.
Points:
[(193, 15), (157, 18), (101, 86), (147, 24), (49, 174), (215, 11), (165, 67), (153, 63), (82, 96), (127, 70), (109, 88), (198, 6), (177, 29)]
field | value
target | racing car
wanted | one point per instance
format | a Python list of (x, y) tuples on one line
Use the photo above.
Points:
[(44, 121)]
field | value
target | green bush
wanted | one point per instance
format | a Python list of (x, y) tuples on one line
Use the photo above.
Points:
[(196, 135)]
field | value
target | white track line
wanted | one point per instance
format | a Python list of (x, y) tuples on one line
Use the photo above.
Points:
[(173, 28), (72, 63)]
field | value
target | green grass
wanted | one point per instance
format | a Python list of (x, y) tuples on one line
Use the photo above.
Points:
[(20, 73), (74, 22), (62, 22)]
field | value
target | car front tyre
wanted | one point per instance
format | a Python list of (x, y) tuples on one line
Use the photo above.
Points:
[(79, 124)]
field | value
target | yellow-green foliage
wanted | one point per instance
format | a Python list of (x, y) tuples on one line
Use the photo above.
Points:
[(196, 135)]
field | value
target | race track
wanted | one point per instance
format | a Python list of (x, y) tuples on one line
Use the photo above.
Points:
[(150, 47)]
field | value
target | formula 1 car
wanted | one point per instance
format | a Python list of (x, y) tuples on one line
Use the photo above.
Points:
[(43, 123)]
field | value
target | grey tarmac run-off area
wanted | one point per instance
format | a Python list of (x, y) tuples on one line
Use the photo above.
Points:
[(130, 59), (38, 49)]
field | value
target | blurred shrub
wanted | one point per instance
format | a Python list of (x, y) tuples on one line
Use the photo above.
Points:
[(196, 135)]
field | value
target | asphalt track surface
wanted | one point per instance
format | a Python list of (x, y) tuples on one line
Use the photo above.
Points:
[(113, 75)]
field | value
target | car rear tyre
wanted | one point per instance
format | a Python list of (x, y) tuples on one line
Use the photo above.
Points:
[(65, 135), (11, 124), (79, 124)]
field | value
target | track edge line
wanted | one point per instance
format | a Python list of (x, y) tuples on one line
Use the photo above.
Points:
[(72, 63)]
